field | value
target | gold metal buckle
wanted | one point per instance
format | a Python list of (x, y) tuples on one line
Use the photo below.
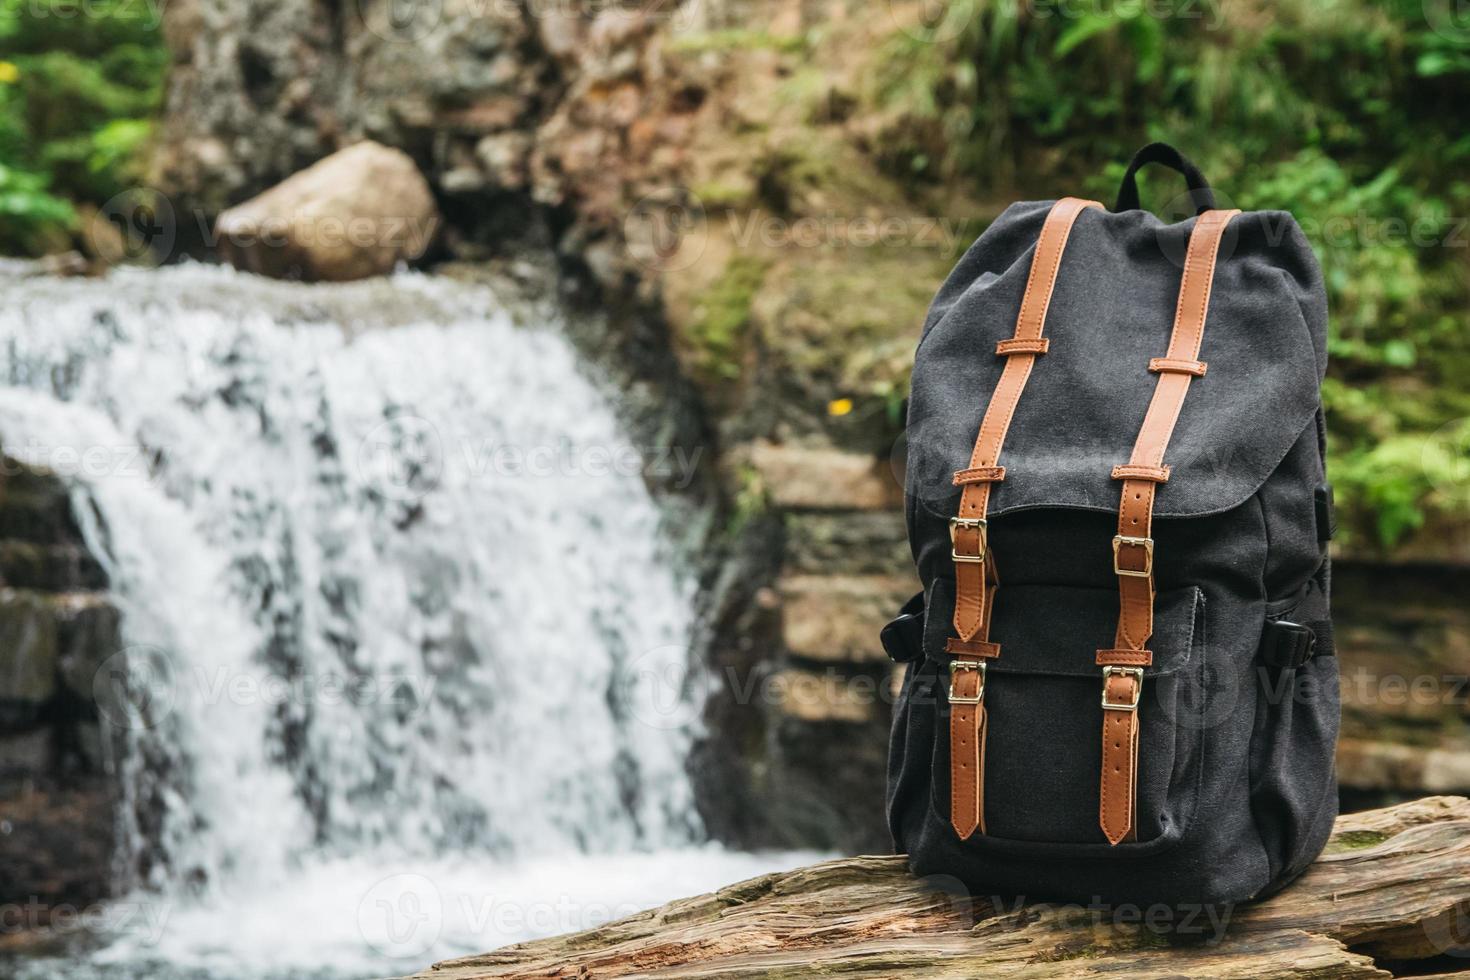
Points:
[(957, 524), (955, 665), (1147, 544), (1134, 672)]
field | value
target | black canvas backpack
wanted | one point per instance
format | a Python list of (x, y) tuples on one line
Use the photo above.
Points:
[(1120, 685)]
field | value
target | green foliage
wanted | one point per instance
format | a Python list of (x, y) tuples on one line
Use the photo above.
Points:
[(23, 198), (738, 40), (751, 503), (1351, 114), (722, 321), (79, 86)]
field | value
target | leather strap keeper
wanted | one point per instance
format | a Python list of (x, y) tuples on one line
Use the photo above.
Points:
[(1125, 658), (1177, 365), (1023, 345), (1133, 471), (980, 474), (972, 648)]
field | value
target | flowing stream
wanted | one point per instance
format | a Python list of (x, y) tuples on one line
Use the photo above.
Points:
[(404, 630)]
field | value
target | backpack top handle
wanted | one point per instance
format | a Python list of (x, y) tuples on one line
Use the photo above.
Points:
[(1163, 153)]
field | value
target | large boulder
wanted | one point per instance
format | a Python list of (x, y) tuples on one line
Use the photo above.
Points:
[(354, 214)]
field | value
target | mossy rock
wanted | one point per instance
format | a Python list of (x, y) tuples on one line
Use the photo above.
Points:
[(28, 655)]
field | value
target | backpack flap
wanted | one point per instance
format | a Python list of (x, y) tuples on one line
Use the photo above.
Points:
[(1111, 313)]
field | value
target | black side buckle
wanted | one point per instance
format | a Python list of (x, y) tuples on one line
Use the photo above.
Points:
[(1286, 644), (903, 638)]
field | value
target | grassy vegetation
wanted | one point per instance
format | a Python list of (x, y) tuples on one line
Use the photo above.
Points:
[(1349, 113), (723, 318), (79, 87)]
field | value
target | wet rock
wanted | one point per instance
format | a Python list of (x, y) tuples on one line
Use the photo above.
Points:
[(56, 846), (560, 32), (828, 760), (37, 515), (838, 617), (1398, 768), (58, 784), (27, 657), (87, 634), (355, 214), (867, 543), (819, 478), (1403, 652), (259, 90), (49, 567), (505, 157), (813, 696)]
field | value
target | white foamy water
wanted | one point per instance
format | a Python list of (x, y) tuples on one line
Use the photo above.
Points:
[(403, 630), (368, 918)]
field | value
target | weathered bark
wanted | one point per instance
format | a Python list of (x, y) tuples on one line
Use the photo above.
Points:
[(1393, 885)]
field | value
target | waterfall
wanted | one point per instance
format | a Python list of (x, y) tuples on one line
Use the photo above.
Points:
[(392, 587)]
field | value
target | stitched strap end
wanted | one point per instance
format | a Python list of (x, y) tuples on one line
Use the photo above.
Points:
[(1177, 365), (971, 648), (1125, 658), (980, 474), (1023, 345), (1134, 471)]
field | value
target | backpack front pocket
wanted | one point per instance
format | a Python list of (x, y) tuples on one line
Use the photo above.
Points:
[(1043, 698)]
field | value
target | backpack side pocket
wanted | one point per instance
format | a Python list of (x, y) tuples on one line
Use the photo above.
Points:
[(1294, 738)]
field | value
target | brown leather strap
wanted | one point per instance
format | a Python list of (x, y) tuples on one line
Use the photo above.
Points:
[(967, 747), (974, 566), (1121, 689), (968, 529), (967, 724), (1133, 547)]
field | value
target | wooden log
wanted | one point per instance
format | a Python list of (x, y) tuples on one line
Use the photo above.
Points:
[(1393, 885)]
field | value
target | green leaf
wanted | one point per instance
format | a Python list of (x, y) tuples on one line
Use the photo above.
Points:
[(1086, 28), (1399, 353)]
